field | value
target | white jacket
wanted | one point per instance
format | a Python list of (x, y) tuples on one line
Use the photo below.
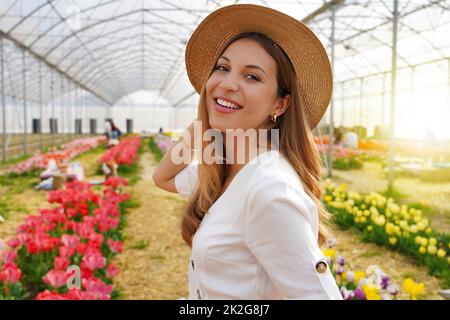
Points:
[(259, 239)]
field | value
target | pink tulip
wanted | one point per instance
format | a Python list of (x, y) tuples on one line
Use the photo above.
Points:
[(70, 241), (66, 252), (112, 271), (98, 287), (115, 246), (94, 261), (55, 278), (9, 256), (14, 243)]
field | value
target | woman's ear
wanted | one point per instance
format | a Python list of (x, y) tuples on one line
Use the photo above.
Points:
[(283, 104)]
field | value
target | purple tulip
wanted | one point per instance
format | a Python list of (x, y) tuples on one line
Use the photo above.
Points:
[(339, 270), (385, 280), (331, 243), (340, 260), (359, 294)]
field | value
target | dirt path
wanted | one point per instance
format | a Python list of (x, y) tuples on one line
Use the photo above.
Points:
[(155, 259)]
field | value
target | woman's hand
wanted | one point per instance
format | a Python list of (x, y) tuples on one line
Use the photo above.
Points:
[(164, 175)]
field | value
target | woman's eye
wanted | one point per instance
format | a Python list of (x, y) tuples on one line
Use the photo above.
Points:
[(253, 77), (223, 68)]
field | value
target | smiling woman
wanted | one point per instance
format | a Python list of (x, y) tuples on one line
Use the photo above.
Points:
[(255, 227)]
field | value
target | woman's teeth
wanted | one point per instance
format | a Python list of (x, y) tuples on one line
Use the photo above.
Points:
[(227, 104)]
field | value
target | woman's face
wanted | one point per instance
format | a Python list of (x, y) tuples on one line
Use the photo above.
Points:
[(245, 76)]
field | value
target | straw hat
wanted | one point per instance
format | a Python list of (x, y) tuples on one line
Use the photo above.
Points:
[(302, 46)]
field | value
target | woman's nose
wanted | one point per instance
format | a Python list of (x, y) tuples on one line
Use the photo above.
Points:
[(229, 83)]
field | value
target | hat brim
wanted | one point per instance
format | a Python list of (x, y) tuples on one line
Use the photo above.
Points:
[(304, 49)]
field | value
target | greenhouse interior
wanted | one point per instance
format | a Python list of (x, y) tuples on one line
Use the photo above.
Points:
[(94, 93)]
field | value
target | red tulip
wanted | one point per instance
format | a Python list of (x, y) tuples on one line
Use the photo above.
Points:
[(10, 273), (61, 263), (47, 295)]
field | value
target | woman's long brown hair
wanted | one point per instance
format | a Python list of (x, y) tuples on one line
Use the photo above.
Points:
[(296, 144)]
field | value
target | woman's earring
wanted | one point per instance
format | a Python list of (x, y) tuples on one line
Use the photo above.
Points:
[(274, 118)]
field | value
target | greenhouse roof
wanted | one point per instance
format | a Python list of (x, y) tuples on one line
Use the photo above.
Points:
[(112, 48)]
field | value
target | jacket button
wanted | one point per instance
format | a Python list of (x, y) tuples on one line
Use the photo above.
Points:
[(199, 296), (192, 264), (321, 267)]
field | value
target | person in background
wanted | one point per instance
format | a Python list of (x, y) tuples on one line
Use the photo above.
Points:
[(115, 131), (108, 129), (350, 140), (339, 134)]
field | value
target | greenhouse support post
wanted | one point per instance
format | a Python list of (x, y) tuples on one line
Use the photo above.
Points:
[(4, 148), (52, 121), (361, 106), (25, 133), (331, 127), (393, 96), (41, 113), (448, 99), (62, 107)]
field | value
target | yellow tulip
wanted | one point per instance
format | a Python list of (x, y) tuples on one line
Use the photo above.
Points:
[(359, 275), (329, 253), (393, 240), (413, 289), (371, 292), (395, 208), (422, 250), (433, 241), (417, 239), (369, 228), (441, 253), (404, 225), (431, 249), (428, 231), (423, 241)]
